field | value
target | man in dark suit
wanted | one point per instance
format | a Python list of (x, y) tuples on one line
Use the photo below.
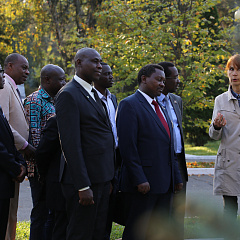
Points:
[(48, 155), (12, 167), (149, 173), (110, 103), (87, 164), (173, 105)]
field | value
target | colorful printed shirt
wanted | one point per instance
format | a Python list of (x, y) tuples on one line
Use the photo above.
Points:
[(39, 106)]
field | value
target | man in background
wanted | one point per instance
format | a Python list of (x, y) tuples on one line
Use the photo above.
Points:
[(16, 72), (110, 103), (39, 106), (12, 166), (48, 155), (173, 105)]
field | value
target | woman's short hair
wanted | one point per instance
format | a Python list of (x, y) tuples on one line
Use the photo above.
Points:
[(233, 60)]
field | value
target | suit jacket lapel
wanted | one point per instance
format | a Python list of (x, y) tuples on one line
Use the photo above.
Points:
[(90, 99), (169, 122), (176, 109), (18, 98), (114, 100), (151, 111)]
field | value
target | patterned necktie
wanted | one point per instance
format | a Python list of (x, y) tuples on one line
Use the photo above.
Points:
[(171, 118), (162, 119)]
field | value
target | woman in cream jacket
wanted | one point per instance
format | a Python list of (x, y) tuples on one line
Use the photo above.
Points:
[(226, 126)]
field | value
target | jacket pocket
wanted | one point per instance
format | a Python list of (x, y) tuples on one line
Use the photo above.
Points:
[(221, 159), (232, 163)]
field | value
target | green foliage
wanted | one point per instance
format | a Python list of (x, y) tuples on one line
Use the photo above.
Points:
[(131, 34), (198, 36)]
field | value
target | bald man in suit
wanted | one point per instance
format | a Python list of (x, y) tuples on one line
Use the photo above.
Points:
[(87, 164)]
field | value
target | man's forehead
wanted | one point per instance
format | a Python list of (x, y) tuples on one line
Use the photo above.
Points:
[(159, 71), (93, 54), (173, 70), (22, 61)]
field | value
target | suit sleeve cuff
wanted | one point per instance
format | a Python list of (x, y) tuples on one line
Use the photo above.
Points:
[(83, 189), (25, 145)]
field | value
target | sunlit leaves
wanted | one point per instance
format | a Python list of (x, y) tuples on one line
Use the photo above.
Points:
[(188, 33)]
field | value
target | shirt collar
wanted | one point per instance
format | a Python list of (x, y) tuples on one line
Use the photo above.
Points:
[(101, 96), (148, 98), (11, 80), (162, 96), (233, 93), (83, 83), (44, 94)]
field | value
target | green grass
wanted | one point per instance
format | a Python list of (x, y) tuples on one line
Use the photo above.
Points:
[(210, 148), (23, 230), (193, 229)]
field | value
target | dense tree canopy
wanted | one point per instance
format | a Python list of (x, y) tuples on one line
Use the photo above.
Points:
[(131, 34), (197, 35)]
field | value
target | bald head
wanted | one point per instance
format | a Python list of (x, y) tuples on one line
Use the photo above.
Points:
[(52, 79), (50, 70), (83, 53), (88, 64), (16, 66), (13, 58)]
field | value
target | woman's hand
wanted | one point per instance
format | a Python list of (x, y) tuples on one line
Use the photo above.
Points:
[(219, 121)]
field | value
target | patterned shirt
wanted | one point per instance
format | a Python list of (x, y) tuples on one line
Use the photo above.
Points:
[(39, 106)]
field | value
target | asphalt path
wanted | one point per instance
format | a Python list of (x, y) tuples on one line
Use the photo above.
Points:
[(199, 195), (25, 201)]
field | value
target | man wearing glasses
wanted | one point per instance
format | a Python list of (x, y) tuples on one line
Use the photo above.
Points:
[(173, 104)]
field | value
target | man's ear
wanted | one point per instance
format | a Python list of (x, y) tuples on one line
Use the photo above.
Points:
[(78, 62), (143, 78), (9, 65), (47, 80)]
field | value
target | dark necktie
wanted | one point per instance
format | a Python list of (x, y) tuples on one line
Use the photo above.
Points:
[(98, 100), (107, 116), (162, 119), (19, 94)]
